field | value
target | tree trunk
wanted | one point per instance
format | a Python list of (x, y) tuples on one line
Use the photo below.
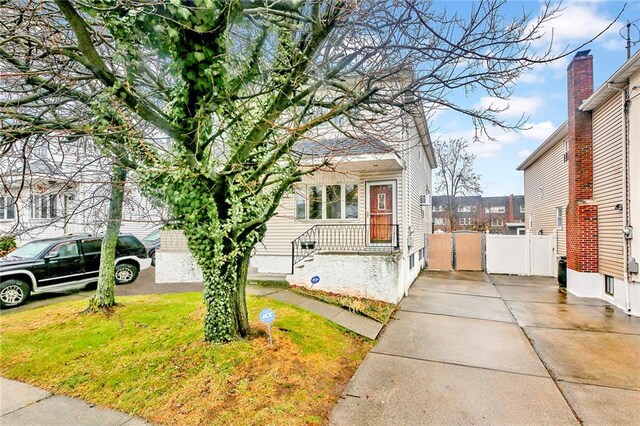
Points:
[(226, 316), (105, 294)]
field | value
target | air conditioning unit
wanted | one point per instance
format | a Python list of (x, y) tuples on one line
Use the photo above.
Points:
[(425, 200)]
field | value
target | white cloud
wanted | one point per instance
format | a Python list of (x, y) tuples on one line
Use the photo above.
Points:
[(531, 77), (524, 153), (577, 23), (538, 131), (492, 146), (514, 107), (486, 149)]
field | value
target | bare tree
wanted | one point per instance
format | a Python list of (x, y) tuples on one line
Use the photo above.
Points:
[(231, 88), (456, 176)]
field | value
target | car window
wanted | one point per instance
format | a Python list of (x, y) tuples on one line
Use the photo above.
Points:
[(67, 249), (152, 237), (92, 246), (128, 243), (30, 250)]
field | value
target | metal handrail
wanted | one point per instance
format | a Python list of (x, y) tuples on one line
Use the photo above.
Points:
[(352, 238)]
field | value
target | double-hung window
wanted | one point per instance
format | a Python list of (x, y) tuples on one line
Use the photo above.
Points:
[(7, 208), (559, 218), (339, 201), (44, 206), (495, 209)]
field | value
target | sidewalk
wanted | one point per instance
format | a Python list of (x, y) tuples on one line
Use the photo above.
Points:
[(498, 350), (22, 404)]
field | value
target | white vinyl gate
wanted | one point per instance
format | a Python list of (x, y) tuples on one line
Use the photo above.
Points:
[(521, 254)]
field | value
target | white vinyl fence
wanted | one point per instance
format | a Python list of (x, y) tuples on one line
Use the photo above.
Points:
[(521, 254)]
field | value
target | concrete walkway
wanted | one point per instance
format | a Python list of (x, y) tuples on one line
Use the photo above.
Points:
[(472, 349), (22, 404), (357, 323)]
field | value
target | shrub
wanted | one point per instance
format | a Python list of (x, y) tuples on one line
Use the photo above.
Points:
[(7, 244)]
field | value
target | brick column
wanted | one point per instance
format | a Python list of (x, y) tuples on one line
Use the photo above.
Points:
[(511, 217), (582, 211)]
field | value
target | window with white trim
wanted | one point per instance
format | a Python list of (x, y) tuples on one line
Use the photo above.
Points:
[(7, 208), (466, 209), (608, 285), (338, 201), (495, 209), (497, 222), (440, 208), (44, 206), (566, 151), (439, 221), (559, 218), (467, 221), (300, 201), (522, 209)]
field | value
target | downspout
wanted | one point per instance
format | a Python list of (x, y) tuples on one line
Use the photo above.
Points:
[(406, 191), (625, 190)]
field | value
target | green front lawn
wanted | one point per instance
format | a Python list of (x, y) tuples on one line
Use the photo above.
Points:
[(148, 359)]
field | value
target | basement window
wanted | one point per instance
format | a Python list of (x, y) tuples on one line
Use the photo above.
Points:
[(608, 285)]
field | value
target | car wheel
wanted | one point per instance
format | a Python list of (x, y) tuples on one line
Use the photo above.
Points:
[(13, 293), (126, 273), (153, 259)]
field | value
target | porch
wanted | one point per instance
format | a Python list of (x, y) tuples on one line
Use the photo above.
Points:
[(345, 238)]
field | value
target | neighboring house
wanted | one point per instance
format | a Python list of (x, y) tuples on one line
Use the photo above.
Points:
[(63, 189), (357, 228), (498, 215), (546, 188), (584, 183)]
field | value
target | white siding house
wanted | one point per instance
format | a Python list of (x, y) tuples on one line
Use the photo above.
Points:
[(602, 262), (357, 227), (58, 189)]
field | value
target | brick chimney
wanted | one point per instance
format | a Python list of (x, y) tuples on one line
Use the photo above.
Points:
[(582, 211), (510, 209)]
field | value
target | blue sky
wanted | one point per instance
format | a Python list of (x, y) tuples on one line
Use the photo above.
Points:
[(539, 94)]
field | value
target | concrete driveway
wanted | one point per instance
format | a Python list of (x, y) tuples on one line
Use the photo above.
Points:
[(466, 348)]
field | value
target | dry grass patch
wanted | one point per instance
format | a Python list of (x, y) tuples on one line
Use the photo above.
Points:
[(148, 359), (375, 309)]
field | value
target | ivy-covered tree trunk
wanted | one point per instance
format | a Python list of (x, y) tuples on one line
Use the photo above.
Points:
[(225, 277), (105, 294)]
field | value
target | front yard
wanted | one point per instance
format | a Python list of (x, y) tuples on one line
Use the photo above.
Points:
[(149, 359)]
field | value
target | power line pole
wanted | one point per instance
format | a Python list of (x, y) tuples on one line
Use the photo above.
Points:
[(628, 39)]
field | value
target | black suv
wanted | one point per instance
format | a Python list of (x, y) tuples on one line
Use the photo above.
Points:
[(64, 263)]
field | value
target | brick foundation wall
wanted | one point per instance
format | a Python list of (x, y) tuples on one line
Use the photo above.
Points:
[(582, 212)]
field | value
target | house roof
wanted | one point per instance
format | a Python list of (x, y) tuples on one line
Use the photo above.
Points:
[(558, 135), (605, 91), (341, 146)]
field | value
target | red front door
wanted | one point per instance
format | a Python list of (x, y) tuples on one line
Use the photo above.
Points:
[(381, 206)]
